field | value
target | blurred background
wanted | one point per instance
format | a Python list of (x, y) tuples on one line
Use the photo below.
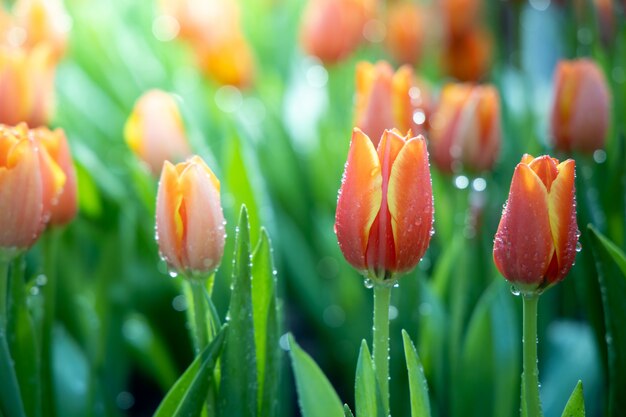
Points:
[(267, 92)]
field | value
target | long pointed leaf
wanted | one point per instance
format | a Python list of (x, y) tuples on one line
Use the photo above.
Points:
[(188, 395), (10, 398), (575, 406), (347, 411), (418, 387), (368, 399)]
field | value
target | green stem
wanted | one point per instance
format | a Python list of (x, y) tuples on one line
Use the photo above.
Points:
[(530, 375), (382, 298), (4, 280), (49, 299), (199, 316)]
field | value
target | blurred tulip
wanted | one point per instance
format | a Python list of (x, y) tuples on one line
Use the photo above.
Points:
[(468, 57), (333, 29), (155, 132), (465, 129), (405, 32), (30, 184), (460, 16), (606, 20), (26, 85), (43, 21), (57, 147), (535, 244), (385, 207), (189, 218), (580, 111), (385, 100), (228, 63)]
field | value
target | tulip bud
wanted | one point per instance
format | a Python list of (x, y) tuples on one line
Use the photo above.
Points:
[(229, 62), (468, 57), (30, 183), (43, 21), (385, 100), (155, 132), (536, 241), (465, 129), (385, 207), (580, 111), (189, 218), (57, 147), (405, 32), (460, 16), (332, 29)]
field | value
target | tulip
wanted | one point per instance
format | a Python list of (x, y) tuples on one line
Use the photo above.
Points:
[(405, 32), (230, 62), (43, 21), (332, 29), (155, 132), (26, 85), (460, 16), (468, 57), (465, 129), (536, 241), (385, 207), (189, 218), (385, 100), (580, 111), (30, 184), (57, 147)]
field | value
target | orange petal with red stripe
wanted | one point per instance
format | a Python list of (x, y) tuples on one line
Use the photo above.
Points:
[(169, 224)]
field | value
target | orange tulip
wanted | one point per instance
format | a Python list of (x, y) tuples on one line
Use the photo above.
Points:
[(535, 244), (333, 29), (26, 85), (405, 32), (57, 147), (230, 62), (385, 100), (30, 183), (385, 207), (465, 129), (580, 112), (155, 132), (189, 218), (43, 21), (468, 57), (460, 16)]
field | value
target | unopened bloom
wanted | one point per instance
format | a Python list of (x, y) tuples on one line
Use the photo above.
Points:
[(43, 21), (189, 218), (385, 207), (467, 57), (228, 62), (332, 29), (30, 183), (535, 244), (155, 131), (57, 147), (465, 129), (405, 32), (388, 100), (580, 111), (460, 16)]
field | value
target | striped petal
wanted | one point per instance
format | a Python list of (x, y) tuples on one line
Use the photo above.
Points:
[(523, 245), (359, 199), (169, 225), (562, 209), (545, 168), (410, 202)]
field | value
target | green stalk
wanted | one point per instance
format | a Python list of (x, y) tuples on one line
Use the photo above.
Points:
[(49, 299), (4, 280), (201, 336), (530, 375), (382, 298)]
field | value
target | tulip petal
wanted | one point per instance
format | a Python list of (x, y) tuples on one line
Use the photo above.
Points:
[(562, 209), (359, 199), (168, 220), (410, 202), (374, 105), (523, 245), (545, 168), (203, 246)]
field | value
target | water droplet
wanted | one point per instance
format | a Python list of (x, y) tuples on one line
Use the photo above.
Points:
[(599, 156), (393, 312), (41, 280), (173, 273), (579, 247), (283, 342), (461, 182), (34, 290), (368, 283), (515, 291), (479, 184)]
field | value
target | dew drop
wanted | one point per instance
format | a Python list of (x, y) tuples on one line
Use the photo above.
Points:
[(368, 283), (579, 247), (515, 291), (173, 274)]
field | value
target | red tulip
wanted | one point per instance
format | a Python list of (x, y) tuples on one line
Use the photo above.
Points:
[(385, 207), (465, 129), (580, 112), (385, 100), (535, 244), (189, 218), (30, 184)]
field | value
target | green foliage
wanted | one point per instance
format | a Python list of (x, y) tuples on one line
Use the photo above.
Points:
[(575, 406), (420, 403), (368, 398)]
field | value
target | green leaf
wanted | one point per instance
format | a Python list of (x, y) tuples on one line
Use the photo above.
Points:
[(610, 262), (238, 387), (10, 398), (418, 387), (188, 395), (347, 411), (368, 399), (23, 342), (266, 326), (316, 396), (575, 406)]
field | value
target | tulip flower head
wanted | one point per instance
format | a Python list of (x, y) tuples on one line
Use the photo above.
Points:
[(155, 132), (43, 21), (30, 184), (468, 57), (189, 218), (385, 206), (580, 112), (537, 238), (388, 100), (465, 130), (405, 32)]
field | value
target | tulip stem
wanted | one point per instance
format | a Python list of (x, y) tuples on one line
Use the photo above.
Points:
[(4, 274), (530, 375), (49, 296), (201, 338), (382, 298)]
